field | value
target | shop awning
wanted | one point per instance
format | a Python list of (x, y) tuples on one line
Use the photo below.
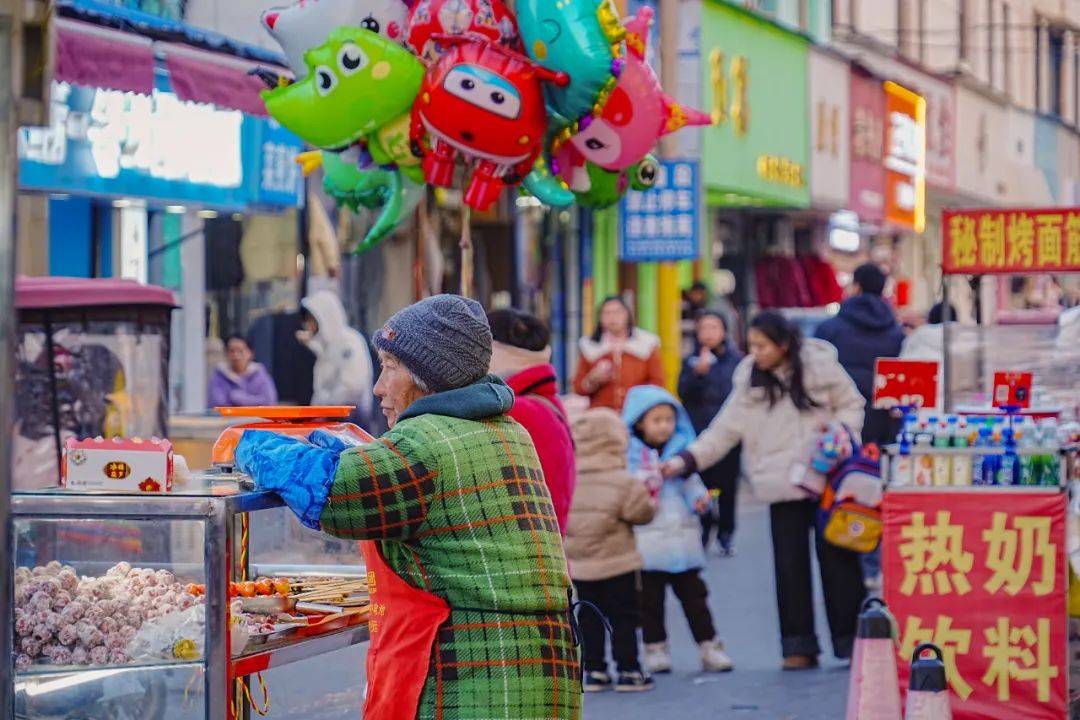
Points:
[(68, 292), (203, 77), (99, 57)]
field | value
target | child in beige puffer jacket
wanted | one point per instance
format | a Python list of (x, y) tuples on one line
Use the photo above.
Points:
[(601, 550)]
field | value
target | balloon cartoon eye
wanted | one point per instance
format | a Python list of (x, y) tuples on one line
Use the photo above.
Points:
[(370, 23), (325, 80), (485, 90), (351, 58), (595, 144), (646, 174)]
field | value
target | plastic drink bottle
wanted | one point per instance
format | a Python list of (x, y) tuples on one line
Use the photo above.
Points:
[(979, 462), (944, 434), (903, 472), (1009, 468), (924, 461), (961, 461)]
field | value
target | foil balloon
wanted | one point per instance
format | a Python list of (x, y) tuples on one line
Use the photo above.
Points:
[(579, 37), (485, 103), (490, 20), (589, 185), (360, 87), (636, 114), (306, 24), (374, 188)]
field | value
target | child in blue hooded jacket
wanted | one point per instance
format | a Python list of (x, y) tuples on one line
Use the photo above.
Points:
[(670, 545)]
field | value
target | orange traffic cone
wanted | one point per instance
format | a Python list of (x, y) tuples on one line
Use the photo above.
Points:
[(874, 693), (928, 691)]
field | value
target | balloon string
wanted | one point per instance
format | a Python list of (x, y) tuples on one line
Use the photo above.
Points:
[(423, 226), (466, 252)]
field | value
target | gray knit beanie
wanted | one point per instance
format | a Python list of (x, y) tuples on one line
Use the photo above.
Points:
[(444, 340)]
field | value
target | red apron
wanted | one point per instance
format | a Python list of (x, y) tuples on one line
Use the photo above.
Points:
[(403, 622)]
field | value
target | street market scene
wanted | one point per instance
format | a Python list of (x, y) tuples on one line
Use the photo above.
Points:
[(539, 359)]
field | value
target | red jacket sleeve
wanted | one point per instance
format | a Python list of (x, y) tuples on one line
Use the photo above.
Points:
[(657, 376), (584, 367)]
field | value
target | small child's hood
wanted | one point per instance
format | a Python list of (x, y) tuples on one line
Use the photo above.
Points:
[(599, 440), (642, 399)]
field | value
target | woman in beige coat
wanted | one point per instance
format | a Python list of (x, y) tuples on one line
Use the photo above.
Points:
[(601, 550), (784, 394)]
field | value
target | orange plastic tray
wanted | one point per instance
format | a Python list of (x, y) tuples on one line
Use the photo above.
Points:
[(273, 412)]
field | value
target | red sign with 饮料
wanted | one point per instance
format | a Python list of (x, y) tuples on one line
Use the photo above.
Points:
[(982, 575), (979, 242), (1012, 390), (905, 383)]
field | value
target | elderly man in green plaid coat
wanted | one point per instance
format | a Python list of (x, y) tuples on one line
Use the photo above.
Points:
[(477, 625)]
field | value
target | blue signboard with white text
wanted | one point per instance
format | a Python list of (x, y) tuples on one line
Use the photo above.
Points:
[(663, 223), (158, 147)]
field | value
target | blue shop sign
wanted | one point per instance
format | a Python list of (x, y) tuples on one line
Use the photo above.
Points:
[(663, 223), (158, 147)]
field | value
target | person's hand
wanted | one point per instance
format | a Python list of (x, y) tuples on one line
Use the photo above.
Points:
[(703, 362), (701, 505), (601, 374), (672, 468), (304, 336)]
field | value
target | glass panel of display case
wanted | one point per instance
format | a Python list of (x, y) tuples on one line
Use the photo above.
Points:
[(280, 545), (101, 593), (171, 692)]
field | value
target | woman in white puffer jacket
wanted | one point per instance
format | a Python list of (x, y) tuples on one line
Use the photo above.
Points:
[(784, 394)]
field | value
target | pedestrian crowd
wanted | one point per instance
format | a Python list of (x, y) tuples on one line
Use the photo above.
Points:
[(622, 500)]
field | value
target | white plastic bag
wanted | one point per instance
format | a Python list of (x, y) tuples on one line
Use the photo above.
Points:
[(177, 636)]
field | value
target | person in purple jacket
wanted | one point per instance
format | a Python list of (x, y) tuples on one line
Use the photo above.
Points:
[(241, 382)]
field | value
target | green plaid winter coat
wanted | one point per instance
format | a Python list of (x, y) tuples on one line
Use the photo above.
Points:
[(455, 495)]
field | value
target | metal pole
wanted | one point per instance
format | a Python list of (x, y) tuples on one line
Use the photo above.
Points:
[(9, 177), (946, 338)]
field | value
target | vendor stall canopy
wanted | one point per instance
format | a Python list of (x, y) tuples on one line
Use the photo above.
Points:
[(92, 359), (41, 293)]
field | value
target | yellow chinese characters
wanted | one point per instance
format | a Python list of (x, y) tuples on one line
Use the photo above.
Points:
[(952, 641), (964, 251), (1049, 240), (992, 240), (935, 561), (1019, 653), (1012, 551), (1072, 241), (1021, 237)]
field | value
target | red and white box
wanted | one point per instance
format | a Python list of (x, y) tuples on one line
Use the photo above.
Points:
[(119, 465)]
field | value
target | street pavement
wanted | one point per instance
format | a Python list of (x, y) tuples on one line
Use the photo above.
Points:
[(744, 608)]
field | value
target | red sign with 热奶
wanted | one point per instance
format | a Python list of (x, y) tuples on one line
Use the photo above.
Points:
[(905, 383), (982, 575), (978, 242)]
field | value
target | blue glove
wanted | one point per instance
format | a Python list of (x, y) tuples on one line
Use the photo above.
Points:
[(300, 473)]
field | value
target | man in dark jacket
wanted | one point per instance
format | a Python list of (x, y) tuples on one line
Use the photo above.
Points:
[(704, 384), (864, 330)]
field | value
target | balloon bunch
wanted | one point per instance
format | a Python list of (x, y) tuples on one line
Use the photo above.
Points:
[(558, 97)]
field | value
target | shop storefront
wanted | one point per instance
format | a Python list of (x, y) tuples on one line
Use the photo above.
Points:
[(757, 159), (152, 173)]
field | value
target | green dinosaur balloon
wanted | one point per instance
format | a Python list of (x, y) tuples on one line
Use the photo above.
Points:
[(606, 188), (372, 188), (359, 86)]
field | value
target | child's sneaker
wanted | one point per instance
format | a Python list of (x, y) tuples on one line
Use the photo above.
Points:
[(713, 657), (636, 681), (657, 658), (597, 681)]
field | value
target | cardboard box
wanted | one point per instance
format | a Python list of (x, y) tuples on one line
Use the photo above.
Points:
[(118, 465)]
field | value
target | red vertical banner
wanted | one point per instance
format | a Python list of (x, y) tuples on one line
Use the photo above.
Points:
[(982, 575)]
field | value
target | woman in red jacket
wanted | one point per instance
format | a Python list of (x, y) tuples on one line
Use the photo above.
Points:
[(521, 355), (617, 357)]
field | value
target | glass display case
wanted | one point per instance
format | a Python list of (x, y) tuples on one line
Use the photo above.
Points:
[(122, 602)]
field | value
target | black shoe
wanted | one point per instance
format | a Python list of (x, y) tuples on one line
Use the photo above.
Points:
[(636, 681), (597, 681)]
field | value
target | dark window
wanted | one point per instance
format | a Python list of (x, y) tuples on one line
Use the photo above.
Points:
[(33, 62), (1038, 67), (962, 27), (1006, 47), (1056, 46)]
